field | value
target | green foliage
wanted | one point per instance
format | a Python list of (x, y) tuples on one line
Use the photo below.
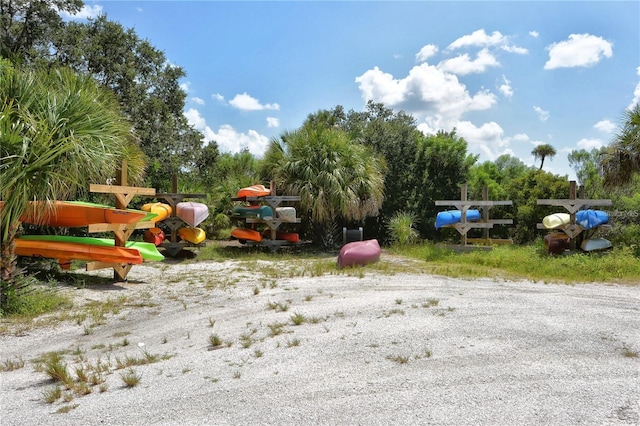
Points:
[(525, 191), (542, 152), (335, 178), (444, 164), (588, 171), (146, 85), (401, 228), (528, 262), (621, 159)]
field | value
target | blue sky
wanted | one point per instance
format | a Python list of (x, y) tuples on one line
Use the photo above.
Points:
[(508, 75)]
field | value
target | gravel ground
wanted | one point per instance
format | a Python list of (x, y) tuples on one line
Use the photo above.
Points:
[(371, 350)]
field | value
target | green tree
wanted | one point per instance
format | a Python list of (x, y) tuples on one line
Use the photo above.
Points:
[(621, 160), (339, 181), (588, 171), (395, 137), (525, 191), (148, 89), (442, 164), (58, 133), (27, 26), (542, 152)]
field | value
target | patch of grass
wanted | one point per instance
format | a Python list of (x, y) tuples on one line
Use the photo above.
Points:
[(65, 409), (627, 352), (12, 364), (526, 262), (394, 312), (130, 378), (276, 328), (400, 359), (298, 319), (215, 341), (52, 395), (430, 302), (293, 342)]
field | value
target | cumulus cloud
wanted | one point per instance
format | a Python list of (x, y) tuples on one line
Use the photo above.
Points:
[(606, 126), (636, 93), (463, 64), (505, 88), (227, 138), (480, 38), (488, 139), (197, 100), (83, 14), (590, 144), (542, 114), (185, 86), (217, 97), (426, 52), (426, 92), (534, 34), (246, 102), (273, 122), (580, 50)]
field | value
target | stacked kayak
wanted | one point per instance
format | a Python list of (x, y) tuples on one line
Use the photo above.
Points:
[(161, 210), (79, 214), (246, 234), (292, 237), (256, 212), (192, 213), (451, 217), (148, 251), (192, 235), (253, 191), (588, 219)]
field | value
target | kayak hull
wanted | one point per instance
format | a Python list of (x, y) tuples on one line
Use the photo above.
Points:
[(359, 253), (76, 214), (67, 251), (192, 213), (192, 235), (162, 210), (451, 217), (147, 250), (253, 191), (245, 234)]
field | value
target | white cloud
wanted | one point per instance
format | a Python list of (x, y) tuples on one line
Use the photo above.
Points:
[(478, 38), (227, 138), (246, 102), (606, 126), (85, 13), (488, 139), (217, 97), (580, 50), (542, 114), (185, 86), (426, 52), (427, 92), (636, 93), (590, 144), (463, 65), (197, 100), (273, 122), (505, 88), (534, 34)]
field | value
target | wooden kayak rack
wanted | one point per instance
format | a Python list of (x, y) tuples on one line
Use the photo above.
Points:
[(463, 204), (575, 202), (123, 194), (174, 222)]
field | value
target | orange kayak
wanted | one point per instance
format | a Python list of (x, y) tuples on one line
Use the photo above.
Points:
[(292, 237), (72, 214), (253, 191), (65, 252), (244, 234)]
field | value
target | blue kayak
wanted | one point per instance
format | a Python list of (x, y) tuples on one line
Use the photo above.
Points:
[(590, 219), (450, 217)]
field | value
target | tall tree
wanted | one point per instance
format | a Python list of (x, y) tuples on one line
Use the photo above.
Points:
[(27, 26), (339, 181), (58, 132), (621, 159), (146, 85), (442, 164), (588, 171), (542, 152)]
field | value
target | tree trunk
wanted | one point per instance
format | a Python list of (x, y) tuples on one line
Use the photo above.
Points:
[(8, 264)]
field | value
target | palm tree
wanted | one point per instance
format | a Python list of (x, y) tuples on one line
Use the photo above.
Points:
[(335, 178), (58, 133), (622, 158), (543, 151)]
